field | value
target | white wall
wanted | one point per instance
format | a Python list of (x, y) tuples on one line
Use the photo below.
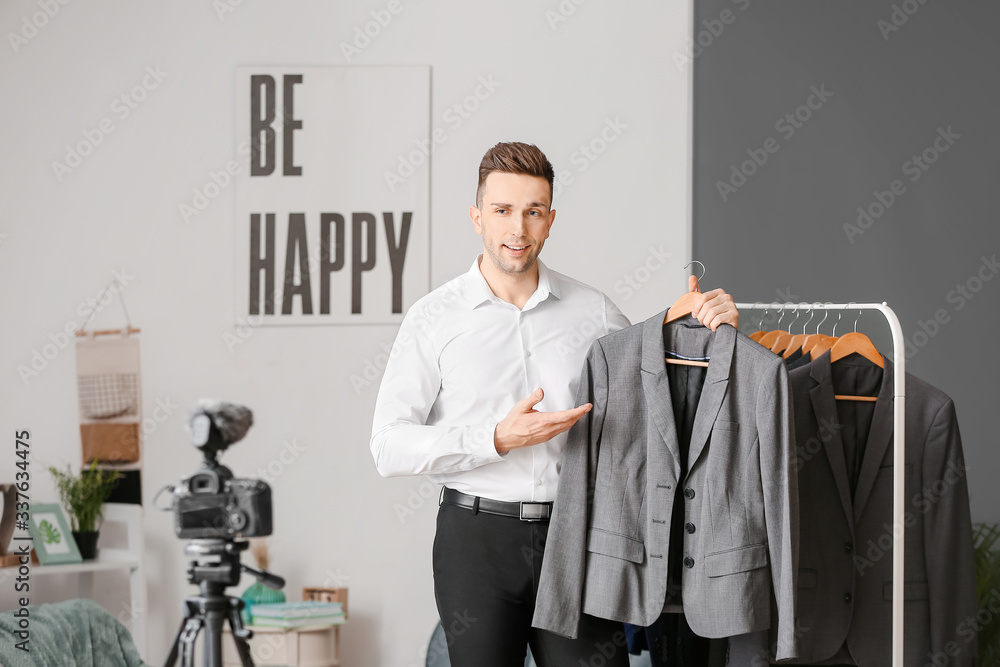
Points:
[(560, 83)]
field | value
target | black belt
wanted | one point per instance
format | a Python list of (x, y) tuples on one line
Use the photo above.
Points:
[(525, 511)]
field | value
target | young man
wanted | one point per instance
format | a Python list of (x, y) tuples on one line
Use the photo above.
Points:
[(478, 394)]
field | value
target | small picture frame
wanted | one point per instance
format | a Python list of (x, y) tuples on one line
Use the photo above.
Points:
[(51, 536)]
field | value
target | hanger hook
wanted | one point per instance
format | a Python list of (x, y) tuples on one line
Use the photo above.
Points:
[(812, 314), (703, 270), (840, 314), (789, 329), (858, 317), (781, 316), (826, 314), (760, 325)]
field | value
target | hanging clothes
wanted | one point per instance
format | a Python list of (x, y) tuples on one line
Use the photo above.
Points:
[(845, 470), (610, 541), (798, 359)]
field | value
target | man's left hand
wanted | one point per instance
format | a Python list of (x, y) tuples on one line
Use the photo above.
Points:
[(713, 308)]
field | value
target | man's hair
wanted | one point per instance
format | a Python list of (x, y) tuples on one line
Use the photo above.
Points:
[(514, 158)]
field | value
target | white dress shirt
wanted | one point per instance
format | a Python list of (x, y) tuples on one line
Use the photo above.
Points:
[(461, 360)]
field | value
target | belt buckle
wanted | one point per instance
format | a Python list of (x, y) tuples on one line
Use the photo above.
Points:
[(535, 511)]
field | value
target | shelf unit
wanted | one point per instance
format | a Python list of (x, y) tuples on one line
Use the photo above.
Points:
[(110, 559)]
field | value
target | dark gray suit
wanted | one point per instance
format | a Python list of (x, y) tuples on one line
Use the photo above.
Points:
[(845, 502), (608, 540)]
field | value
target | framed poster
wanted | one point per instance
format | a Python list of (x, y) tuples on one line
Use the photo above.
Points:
[(332, 223), (51, 536)]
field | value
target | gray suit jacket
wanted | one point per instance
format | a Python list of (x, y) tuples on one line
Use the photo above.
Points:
[(845, 559), (606, 553)]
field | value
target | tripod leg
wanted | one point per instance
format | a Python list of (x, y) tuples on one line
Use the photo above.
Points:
[(187, 640), (184, 639), (240, 633), (172, 658)]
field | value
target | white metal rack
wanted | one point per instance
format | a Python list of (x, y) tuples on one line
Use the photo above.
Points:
[(898, 452)]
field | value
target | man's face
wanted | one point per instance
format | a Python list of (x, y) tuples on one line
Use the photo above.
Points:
[(514, 220)]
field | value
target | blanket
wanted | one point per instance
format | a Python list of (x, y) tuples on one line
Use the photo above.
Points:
[(73, 633)]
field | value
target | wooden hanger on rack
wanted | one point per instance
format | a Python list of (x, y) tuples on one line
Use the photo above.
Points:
[(770, 337), (798, 340), (685, 306), (818, 343), (813, 338), (854, 342), (783, 339)]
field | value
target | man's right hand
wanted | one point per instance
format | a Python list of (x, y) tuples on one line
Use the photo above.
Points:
[(524, 426)]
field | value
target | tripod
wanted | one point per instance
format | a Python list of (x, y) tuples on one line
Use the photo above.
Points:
[(215, 566)]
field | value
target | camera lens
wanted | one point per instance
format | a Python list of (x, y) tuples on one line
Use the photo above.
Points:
[(237, 520)]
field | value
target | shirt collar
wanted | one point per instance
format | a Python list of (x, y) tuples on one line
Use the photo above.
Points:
[(479, 291)]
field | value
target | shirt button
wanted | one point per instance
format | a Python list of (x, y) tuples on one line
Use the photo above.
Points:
[(689, 562), (689, 527), (689, 493), (848, 547), (847, 598), (539, 482), (528, 353)]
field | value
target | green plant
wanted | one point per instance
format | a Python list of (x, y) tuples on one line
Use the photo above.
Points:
[(986, 539), (83, 495)]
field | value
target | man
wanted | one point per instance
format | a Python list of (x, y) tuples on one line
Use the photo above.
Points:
[(478, 394)]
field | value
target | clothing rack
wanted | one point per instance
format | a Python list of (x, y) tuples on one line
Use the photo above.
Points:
[(898, 451)]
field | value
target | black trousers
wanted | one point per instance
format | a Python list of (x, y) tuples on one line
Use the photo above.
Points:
[(672, 643), (486, 571)]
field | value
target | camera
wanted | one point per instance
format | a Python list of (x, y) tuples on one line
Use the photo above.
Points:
[(207, 505), (211, 503)]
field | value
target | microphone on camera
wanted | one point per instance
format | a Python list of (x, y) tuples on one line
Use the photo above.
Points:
[(216, 425)]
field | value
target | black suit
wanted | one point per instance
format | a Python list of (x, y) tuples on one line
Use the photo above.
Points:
[(845, 462)]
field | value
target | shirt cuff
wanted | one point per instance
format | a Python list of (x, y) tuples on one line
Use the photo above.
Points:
[(483, 445)]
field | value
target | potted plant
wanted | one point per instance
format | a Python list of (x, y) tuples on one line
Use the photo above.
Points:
[(83, 496), (986, 538)]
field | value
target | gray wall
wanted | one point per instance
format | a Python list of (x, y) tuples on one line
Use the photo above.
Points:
[(781, 235)]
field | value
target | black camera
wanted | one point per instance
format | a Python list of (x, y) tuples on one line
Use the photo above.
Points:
[(211, 503), (207, 505)]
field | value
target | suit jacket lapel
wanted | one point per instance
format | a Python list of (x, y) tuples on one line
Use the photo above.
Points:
[(656, 386), (825, 409), (716, 382), (879, 436)]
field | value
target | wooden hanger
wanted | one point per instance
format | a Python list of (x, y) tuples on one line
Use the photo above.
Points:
[(682, 307), (817, 344), (686, 362), (784, 338), (768, 338), (781, 342), (797, 340), (856, 343)]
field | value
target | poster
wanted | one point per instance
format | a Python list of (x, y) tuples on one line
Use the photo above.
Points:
[(322, 235)]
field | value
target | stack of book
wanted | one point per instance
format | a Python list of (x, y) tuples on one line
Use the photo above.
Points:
[(290, 615)]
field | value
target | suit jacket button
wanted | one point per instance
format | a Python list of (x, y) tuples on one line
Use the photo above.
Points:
[(688, 562), (847, 598), (689, 493), (848, 547), (689, 527)]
